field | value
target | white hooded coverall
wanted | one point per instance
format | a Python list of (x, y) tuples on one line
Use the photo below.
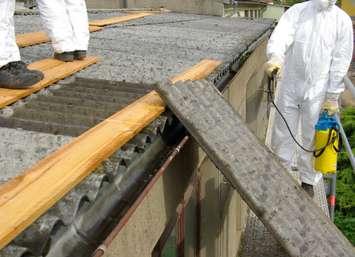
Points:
[(315, 47), (9, 51), (67, 24), (65, 20)]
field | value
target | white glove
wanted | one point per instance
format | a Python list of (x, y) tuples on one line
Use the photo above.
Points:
[(273, 67), (331, 104)]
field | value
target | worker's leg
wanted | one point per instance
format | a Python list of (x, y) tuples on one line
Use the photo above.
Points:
[(9, 51), (13, 72), (78, 17), (309, 117), (56, 20), (281, 142)]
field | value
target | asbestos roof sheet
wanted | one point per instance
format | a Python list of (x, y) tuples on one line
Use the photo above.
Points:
[(158, 46)]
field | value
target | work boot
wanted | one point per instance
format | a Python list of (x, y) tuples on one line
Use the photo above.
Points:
[(65, 56), (308, 188), (79, 55), (16, 75)]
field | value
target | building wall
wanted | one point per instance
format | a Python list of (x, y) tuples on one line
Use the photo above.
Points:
[(105, 4), (222, 211), (249, 12), (273, 12), (349, 6)]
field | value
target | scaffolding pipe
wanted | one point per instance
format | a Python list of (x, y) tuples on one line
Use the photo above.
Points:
[(349, 85), (346, 143)]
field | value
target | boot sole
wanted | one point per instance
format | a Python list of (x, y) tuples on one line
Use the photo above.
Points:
[(24, 85)]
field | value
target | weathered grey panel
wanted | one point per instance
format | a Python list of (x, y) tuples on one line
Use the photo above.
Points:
[(288, 212)]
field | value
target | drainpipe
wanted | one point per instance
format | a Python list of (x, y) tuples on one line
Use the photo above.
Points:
[(124, 4), (100, 251)]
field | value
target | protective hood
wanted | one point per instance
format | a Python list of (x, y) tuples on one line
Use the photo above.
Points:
[(324, 4)]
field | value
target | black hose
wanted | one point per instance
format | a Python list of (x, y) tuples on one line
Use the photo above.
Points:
[(315, 151)]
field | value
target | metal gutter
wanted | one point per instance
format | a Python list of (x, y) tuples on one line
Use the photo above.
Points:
[(222, 77)]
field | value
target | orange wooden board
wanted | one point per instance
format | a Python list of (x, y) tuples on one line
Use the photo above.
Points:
[(35, 38), (32, 38), (53, 70), (40, 37), (197, 72), (119, 19), (27, 197), (94, 28)]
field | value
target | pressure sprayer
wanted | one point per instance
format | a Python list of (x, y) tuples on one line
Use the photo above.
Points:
[(327, 144)]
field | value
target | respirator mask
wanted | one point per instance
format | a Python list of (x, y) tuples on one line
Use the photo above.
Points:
[(324, 4)]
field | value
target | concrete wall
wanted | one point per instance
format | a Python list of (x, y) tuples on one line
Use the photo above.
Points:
[(223, 213), (273, 12), (105, 4)]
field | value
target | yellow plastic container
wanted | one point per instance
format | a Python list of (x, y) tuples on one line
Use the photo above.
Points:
[(326, 162)]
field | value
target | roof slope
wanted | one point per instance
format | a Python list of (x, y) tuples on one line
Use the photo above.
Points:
[(137, 53)]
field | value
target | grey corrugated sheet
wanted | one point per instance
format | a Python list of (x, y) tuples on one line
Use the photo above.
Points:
[(264, 184)]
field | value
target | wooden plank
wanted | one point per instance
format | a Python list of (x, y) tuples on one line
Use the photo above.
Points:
[(53, 71), (40, 37), (27, 197), (95, 28), (199, 71), (119, 19), (32, 38), (45, 64)]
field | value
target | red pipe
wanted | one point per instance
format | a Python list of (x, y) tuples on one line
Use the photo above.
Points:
[(100, 251)]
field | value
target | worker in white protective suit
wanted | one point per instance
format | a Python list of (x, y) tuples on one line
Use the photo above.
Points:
[(67, 25), (311, 49), (14, 73)]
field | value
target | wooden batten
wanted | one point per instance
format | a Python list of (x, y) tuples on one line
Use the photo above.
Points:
[(28, 196), (53, 70), (120, 19)]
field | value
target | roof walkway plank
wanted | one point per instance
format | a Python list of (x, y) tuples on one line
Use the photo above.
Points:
[(40, 37), (120, 19), (53, 70)]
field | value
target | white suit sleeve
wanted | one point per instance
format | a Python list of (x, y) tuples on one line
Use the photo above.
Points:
[(342, 56), (283, 35)]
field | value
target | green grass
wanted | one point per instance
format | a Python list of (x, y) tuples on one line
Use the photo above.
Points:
[(345, 206)]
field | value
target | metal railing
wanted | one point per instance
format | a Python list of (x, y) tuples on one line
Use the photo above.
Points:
[(349, 85)]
